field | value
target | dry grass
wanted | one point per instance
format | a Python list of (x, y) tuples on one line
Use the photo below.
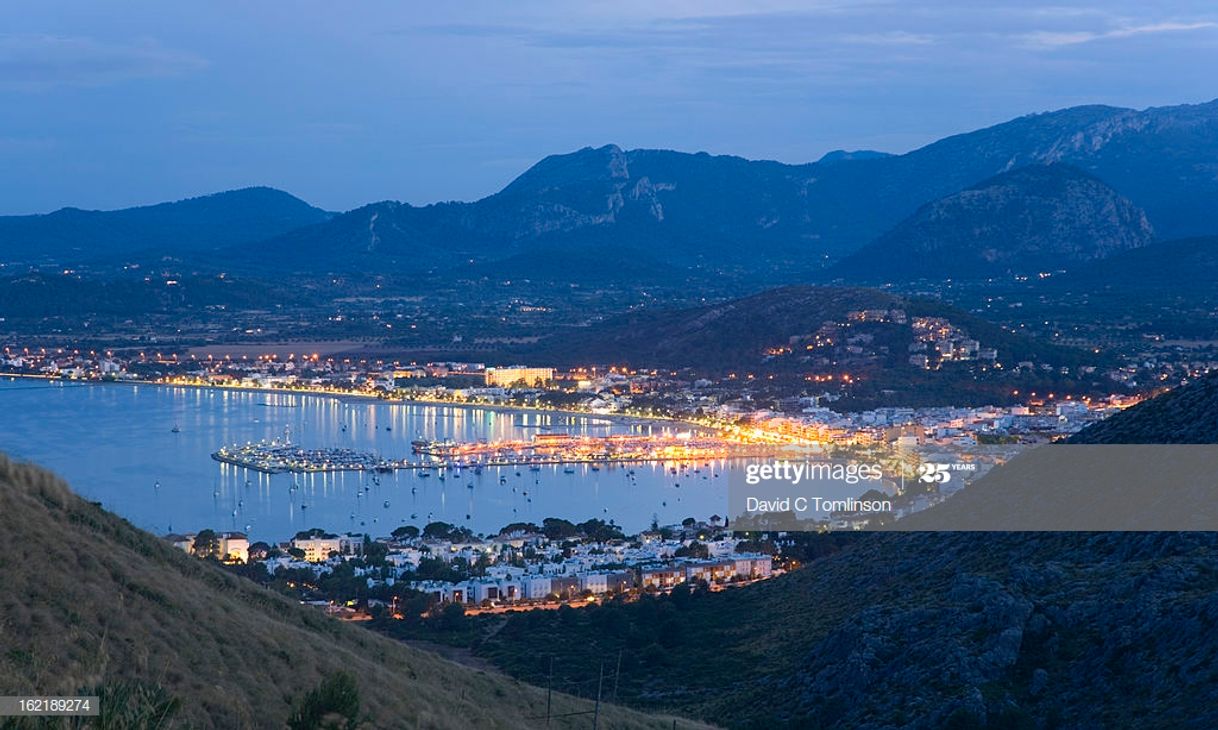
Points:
[(87, 599)]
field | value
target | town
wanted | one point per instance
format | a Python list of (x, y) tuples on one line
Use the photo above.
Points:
[(523, 567), (732, 408)]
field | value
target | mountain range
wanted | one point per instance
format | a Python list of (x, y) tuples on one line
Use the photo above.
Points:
[(712, 211)]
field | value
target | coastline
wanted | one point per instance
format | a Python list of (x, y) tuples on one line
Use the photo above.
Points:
[(352, 397)]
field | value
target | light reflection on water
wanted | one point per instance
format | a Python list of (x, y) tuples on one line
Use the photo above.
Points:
[(115, 444)]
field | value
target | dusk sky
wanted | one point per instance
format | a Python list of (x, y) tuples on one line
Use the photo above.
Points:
[(106, 105)]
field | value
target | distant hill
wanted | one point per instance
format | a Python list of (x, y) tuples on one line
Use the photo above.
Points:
[(1033, 219), (843, 155), (93, 604), (737, 333), (211, 221), (725, 335), (1184, 415), (776, 219)]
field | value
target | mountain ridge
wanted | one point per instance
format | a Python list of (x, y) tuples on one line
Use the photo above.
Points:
[(696, 210)]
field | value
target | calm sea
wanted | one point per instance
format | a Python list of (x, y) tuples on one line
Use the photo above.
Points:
[(114, 443)]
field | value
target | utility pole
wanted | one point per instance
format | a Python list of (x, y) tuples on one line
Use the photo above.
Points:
[(549, 690), (617, 674), (596, 712)]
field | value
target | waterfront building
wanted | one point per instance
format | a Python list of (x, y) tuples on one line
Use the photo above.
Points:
[(508, 376)]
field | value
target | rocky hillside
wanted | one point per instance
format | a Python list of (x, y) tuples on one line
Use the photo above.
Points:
[(91, 604), (924, 630), (1034, 219)]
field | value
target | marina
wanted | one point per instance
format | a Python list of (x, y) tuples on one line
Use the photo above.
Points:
[(549, 448), (273, 457)]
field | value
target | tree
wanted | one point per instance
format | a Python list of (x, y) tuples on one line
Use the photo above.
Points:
[(405, 532), (558, 529), (333, 705), (206, 544), (259, 550), (600, 531), (452, 617), (519, 527), (694, 549), (688, 522), (374, 552)]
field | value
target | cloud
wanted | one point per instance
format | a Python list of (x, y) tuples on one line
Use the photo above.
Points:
[(892, 38), (1057, 39), (31, 62)]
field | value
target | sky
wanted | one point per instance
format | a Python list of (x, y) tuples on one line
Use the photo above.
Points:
[(106, 105)]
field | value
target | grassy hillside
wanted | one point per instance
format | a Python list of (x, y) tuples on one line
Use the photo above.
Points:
[(90, 602)]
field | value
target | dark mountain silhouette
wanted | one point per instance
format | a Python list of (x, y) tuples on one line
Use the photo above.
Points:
[(759, 218), (1039, 218), (207, 222)]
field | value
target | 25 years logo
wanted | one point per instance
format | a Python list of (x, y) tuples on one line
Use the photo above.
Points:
[(934, 473)]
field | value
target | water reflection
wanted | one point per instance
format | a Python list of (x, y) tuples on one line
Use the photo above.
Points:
[(116, 444)]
